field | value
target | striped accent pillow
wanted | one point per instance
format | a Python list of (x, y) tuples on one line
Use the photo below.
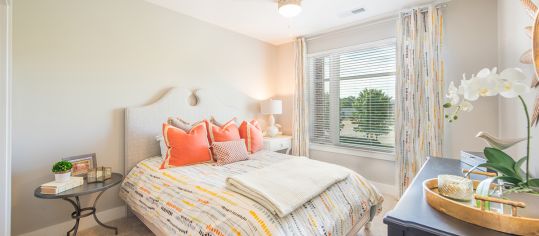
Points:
[(229, 152)]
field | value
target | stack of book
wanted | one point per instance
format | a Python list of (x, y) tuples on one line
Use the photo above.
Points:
[(58, 187)]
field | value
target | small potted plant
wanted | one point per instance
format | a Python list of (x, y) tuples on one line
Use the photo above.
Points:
[(62, 171)]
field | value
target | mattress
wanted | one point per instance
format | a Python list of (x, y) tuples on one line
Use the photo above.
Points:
[(193, 200)]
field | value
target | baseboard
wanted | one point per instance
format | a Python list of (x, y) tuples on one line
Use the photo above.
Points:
[(85, 223), (388, 189)]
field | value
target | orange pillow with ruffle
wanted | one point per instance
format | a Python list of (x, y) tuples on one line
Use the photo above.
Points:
[(252, 134), (223, 133), (186, 147)]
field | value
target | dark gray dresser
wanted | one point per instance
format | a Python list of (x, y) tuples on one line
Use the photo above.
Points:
[(413, 216)]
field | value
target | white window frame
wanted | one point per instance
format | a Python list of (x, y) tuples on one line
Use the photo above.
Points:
[(335, 114)]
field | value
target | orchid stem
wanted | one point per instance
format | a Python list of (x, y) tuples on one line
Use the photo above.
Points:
[(528, 143)]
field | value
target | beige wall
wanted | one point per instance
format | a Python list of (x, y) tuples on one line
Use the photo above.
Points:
[(470, 44), (78, 64), (512, 43), (365, 33), (284, 84)]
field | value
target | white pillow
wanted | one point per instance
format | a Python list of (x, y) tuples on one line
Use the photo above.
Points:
[(163, 146)]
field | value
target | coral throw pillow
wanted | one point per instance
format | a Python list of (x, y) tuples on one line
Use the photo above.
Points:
[(229, 152), (226, 132), (186, 148), (252, 133)]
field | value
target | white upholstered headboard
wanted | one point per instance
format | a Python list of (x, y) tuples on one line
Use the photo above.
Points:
[(143, 124)]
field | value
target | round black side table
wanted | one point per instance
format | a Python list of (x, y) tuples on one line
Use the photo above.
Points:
[(83, 190)]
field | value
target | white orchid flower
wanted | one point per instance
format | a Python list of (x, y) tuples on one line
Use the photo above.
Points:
[(469, 88), (513, 83), (485, 72), (466, 106), (453, 94), (489, 82), (486, 83)]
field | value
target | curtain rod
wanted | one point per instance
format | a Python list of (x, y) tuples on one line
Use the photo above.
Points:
[(387, 17), (424, 8)]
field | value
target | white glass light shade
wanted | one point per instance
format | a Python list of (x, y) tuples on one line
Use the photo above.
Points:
[(270, 107), (289, 8)]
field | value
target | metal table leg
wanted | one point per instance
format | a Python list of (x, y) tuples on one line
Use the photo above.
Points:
[(75, 213), (97, 220)]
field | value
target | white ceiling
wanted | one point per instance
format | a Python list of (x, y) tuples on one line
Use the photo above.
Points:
[(260, 19)]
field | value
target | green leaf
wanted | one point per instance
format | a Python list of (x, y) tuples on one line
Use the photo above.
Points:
[(533, 182), (499, 157), (518, 164), (501, 169), (510, 179)]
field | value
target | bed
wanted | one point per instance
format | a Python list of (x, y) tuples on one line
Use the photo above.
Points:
[(193, 199)]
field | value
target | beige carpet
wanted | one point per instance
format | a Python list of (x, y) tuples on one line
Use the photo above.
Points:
[(133, 227)]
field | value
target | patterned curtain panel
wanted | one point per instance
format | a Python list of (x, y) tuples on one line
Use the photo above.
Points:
[(300, 130), (420, 87)]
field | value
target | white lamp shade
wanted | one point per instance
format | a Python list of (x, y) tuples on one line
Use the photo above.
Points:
[(271, 107)]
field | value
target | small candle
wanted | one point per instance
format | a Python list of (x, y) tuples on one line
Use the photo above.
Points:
[(455, 187)]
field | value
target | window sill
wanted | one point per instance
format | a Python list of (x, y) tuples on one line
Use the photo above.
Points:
[(354, 152)]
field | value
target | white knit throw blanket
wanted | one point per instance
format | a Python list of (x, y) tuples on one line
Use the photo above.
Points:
[(286, 185)]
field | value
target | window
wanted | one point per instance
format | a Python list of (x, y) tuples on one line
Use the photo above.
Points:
[(352, 96)]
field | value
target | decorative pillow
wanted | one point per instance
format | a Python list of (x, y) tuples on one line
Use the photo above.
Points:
[(227, 132), (186, 148), (252, 134), (162, 146), (181, 124), (215, 122), (229, 152)]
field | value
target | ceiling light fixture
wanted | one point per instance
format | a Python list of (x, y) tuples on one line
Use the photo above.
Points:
[(289, 8)]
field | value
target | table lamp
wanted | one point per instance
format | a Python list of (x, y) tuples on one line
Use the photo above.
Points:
[(272, 107)]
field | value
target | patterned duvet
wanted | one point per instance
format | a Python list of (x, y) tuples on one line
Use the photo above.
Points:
[(192, 200)]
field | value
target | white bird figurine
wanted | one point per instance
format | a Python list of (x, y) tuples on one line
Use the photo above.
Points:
[(498, 143)]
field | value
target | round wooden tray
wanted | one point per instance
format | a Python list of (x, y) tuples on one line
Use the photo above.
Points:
[(466, 212)]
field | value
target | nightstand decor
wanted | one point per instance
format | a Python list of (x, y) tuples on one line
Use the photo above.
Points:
[(73, 197), (272, 107), (423, 211), (82, 163), (466, 211), (99, 174), (455, 187), (56, 187), (62, 171)]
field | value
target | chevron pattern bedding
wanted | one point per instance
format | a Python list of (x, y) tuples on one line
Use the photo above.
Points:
[(192, 200)]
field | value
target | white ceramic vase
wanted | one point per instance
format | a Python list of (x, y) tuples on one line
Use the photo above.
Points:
[(273, 129), (62, 177)]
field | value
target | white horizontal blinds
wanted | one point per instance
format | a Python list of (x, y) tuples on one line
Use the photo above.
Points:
[(352, 94)]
